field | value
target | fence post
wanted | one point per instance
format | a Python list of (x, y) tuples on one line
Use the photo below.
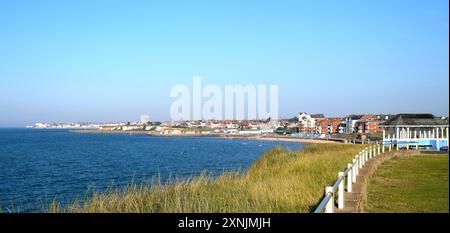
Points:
[(365, 156), (390, 146), (382, 148), (329, 207), (361, 157), (341, 191), (368, 153), (374, 151), (360, 160), (349, 177), (355, 169), (379, 148)]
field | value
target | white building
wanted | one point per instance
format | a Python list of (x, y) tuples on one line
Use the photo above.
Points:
[(41, 125), (306, 122), (269, 127), (416, 131), (144, 119), (350, 122)]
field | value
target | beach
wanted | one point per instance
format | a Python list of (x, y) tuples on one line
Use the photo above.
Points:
[(263, 138), (303, 140)]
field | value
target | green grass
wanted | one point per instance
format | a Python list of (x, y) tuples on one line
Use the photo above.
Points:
[(416, 184), (280, 181)]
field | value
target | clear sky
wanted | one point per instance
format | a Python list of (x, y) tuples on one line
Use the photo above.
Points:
[(115, 60)]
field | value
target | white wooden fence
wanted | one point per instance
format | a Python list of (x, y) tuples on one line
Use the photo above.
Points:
[(347, 178)]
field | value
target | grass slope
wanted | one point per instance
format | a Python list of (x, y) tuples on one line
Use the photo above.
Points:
[(280, 181), (410, 184)]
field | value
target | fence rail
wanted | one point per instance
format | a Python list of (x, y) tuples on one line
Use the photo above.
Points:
[(338, 189)]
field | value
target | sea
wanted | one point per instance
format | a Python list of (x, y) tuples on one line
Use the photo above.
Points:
[(38, 166)]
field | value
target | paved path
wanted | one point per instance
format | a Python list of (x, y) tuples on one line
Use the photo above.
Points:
[(354, 201)]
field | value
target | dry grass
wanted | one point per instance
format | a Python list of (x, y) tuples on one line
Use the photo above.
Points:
[(280, 181), (416, 184)]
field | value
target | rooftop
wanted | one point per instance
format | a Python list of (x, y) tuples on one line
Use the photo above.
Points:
[(422, 119)]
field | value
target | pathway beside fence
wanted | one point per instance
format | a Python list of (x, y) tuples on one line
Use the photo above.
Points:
[(355, 200), (348, 194), (342, 190)]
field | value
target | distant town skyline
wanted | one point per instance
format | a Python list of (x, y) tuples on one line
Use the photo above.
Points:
[(98, 61), (144, 119)]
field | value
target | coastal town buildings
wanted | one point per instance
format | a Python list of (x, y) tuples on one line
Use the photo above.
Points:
[(328, 125), (215, 124), (132, 127), (41, 125), (350, 123), (231, 125), (404, 130), (144, 119), (342, 128), (368, 123), (307, 122), (270, 126)]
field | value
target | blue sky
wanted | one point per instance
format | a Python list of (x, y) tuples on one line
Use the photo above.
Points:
[(114, 60)]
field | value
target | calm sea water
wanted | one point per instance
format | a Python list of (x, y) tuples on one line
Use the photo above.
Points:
[(37, 166)]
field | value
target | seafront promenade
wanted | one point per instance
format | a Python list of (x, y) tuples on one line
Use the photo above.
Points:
[(264, 138)]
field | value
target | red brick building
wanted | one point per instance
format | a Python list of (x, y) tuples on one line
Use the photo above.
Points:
[(328, 125), (369, 123)]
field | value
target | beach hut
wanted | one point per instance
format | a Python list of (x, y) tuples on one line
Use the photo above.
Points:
[(415, 131)]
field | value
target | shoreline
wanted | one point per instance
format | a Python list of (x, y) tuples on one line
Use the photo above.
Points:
[(302, 140), (96, 131), (262, 138)]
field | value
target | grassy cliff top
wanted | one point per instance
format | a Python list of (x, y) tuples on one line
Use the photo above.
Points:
[(415, 184), (280, 181)]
